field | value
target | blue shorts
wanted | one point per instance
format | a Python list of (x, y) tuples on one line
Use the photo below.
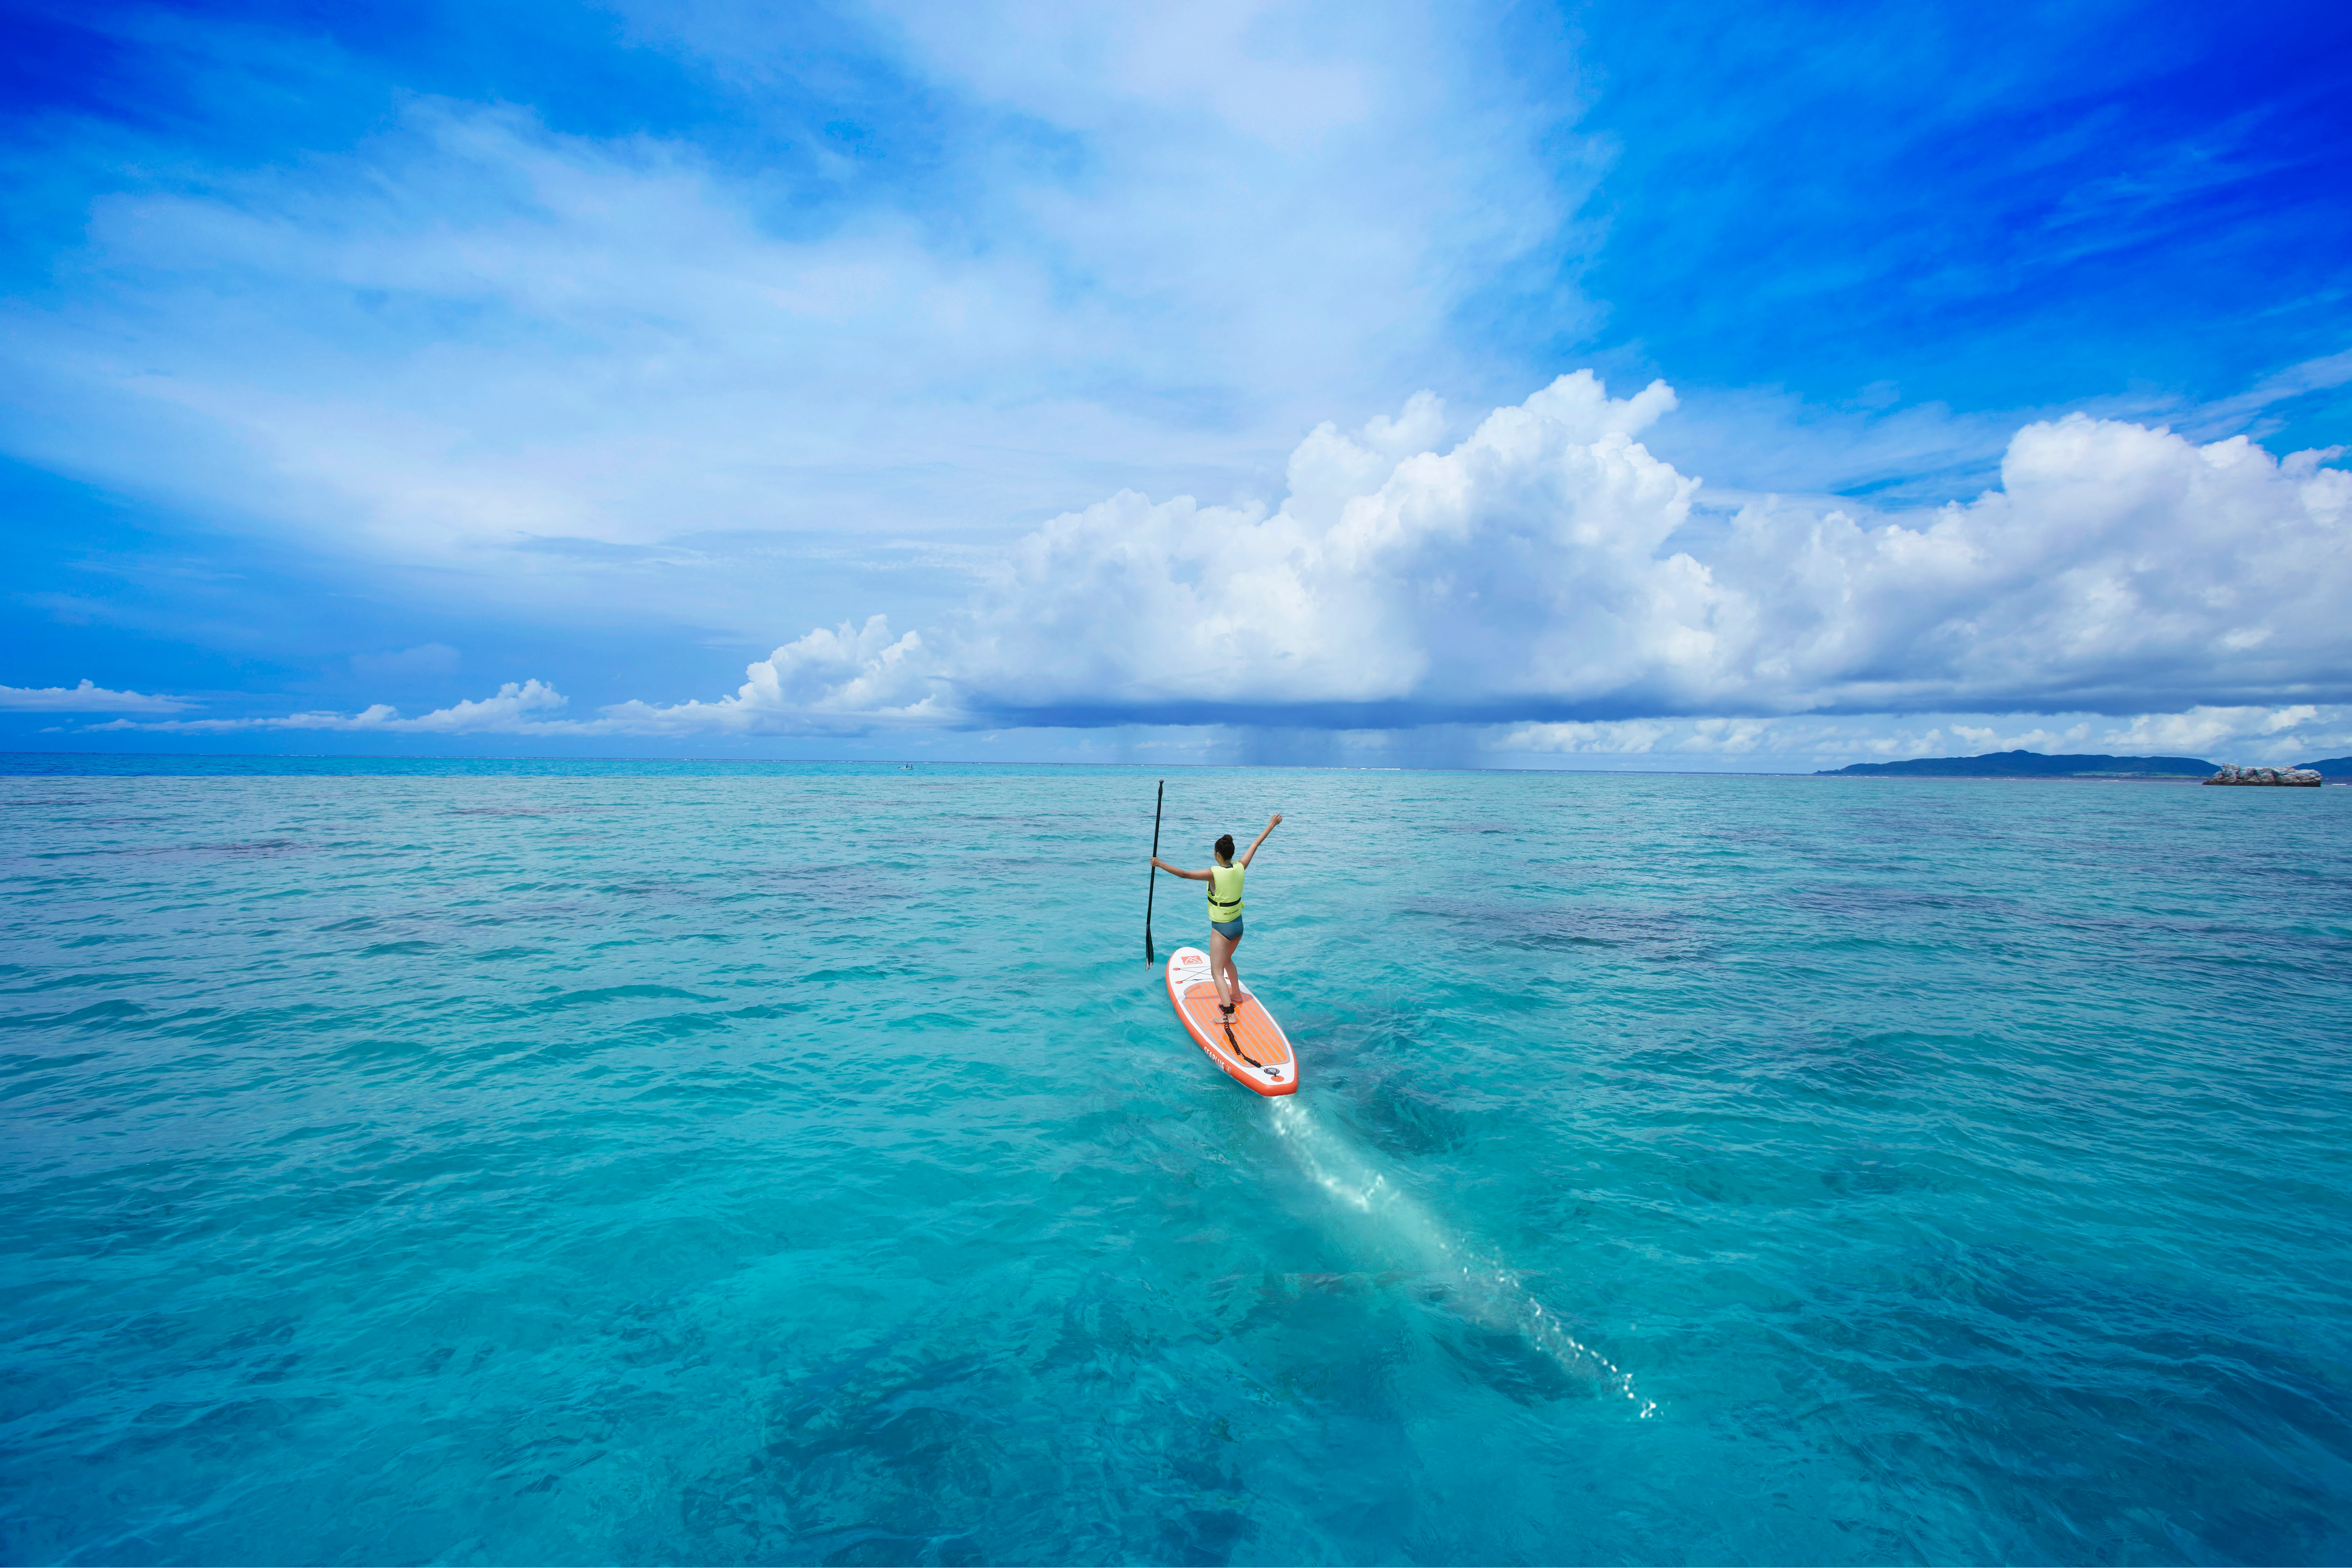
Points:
[(1230, 930)]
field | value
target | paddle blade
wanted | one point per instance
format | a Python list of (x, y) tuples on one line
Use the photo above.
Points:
[(1148, 959)]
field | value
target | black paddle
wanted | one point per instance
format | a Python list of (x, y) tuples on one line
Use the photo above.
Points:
[(1152, 884)]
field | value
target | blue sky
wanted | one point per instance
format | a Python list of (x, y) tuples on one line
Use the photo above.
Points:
[(1178, 386)]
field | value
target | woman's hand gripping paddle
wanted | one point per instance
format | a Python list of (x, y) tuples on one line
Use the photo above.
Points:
[(1151, 888)]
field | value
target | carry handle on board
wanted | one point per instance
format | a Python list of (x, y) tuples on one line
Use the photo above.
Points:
[(1151, 885)]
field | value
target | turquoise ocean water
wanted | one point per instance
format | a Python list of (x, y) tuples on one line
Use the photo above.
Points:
[(572, 1162)]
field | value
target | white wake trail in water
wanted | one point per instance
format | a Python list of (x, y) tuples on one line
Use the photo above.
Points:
[(1488, 1292)]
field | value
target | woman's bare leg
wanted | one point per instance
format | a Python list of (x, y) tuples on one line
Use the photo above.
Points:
[(1221, 969)]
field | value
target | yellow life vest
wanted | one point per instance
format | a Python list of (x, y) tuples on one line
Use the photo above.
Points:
[(1225, 892)]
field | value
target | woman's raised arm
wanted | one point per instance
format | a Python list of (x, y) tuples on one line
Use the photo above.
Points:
[(1271, 824)]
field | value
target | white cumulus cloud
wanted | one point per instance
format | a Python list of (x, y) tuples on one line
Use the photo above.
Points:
[(1549, 581), (859, 676), (1544, 571), (516, 709)]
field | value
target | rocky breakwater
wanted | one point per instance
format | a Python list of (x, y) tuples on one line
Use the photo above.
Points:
[(2229, 774)]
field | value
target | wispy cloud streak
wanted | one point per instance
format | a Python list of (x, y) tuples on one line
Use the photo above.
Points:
[(85, 698)]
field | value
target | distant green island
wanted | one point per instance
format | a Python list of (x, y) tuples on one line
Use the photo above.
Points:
[(2332, 769), (2032, 766)]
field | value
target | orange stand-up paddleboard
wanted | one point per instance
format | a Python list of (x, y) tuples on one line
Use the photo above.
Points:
[(1254, 1050)]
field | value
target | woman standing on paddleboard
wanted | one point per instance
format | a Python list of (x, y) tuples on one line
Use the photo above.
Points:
[(1224, 879)]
